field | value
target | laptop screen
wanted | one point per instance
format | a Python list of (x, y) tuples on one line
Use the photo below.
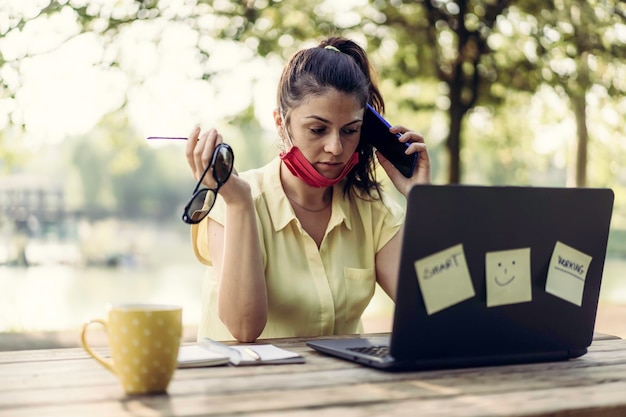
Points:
[(491, 269)]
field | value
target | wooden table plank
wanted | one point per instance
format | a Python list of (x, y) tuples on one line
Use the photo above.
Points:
[(67, 383), (325, 388), (361, 400), (601, 353)]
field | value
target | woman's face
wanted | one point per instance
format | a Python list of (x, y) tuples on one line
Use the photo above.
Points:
[(326, 129)]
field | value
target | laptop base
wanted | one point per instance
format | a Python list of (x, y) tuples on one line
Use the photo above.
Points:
[(344, 349)]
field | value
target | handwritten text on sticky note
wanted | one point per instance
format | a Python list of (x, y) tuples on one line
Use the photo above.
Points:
[(567, 273), (508, 277), (444, 279)]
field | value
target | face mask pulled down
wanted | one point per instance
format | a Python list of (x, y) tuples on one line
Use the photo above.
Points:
[(301, 168)]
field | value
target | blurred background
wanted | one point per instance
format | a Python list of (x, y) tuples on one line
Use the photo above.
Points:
[(507, 92)]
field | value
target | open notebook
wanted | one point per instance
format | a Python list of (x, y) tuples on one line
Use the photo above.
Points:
[(209, 352), (492, 275)]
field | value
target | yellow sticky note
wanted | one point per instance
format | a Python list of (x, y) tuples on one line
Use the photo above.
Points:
[(444, 279), (508, 277), (567, 273)]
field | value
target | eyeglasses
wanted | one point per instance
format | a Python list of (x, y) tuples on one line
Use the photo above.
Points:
[(202, 200)]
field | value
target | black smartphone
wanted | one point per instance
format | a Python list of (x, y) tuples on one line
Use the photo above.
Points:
[(375, 130)]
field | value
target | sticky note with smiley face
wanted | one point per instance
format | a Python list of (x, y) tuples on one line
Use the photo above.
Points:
[(444, 279), (508, 277)]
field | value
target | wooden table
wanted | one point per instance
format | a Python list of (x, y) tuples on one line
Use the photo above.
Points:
[(65, 382)]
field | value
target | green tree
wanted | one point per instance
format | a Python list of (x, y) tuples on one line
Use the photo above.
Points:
[(572, 46), (462, 45), (581, 48), (448, 40)]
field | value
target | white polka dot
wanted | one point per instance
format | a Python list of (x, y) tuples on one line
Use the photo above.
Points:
[(124, 350), (135, 342), (124, 329), (147, 332), (136, 322)]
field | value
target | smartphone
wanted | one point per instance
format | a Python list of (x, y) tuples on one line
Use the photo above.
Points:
[(375, 130)]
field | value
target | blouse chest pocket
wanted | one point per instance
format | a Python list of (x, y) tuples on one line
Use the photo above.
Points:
[(360, 286)]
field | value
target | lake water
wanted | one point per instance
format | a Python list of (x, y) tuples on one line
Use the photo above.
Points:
[(63, 297)]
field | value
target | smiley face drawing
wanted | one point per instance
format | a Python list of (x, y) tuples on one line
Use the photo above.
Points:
[(506, 273), (508, 277)]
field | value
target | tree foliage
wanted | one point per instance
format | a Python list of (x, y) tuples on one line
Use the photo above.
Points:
[(574, 47), (454, 38), (452, 58)]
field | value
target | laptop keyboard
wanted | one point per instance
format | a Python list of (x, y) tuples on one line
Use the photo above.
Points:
[(378, 351)]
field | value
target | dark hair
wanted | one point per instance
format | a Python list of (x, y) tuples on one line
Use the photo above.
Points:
[(314, 71)]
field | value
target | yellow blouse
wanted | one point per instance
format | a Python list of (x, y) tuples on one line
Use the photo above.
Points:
[(311, 291)]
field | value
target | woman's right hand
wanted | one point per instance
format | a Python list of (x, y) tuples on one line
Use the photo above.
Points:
[(199, 150)]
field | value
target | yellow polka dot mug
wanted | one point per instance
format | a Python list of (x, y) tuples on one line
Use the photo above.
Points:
[(144, 341)]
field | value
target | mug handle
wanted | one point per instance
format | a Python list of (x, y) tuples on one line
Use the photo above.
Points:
[(83, 340)]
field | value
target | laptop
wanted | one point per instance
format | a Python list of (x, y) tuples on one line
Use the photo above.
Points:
[(491, 276)]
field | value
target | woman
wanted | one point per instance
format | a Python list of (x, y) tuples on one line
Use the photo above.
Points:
[(297, 246)]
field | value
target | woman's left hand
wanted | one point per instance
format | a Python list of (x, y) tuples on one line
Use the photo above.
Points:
[(421, 173)]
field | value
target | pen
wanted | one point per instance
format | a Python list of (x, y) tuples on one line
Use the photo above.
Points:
[(167, 137), (224, 349), (252, 354)]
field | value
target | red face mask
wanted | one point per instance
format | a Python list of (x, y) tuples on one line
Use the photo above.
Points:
[(302, 168)]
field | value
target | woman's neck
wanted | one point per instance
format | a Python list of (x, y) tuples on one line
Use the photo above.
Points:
[(311, 199)]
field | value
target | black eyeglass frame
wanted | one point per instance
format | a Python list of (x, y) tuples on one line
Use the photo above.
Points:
[(198, 192)]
